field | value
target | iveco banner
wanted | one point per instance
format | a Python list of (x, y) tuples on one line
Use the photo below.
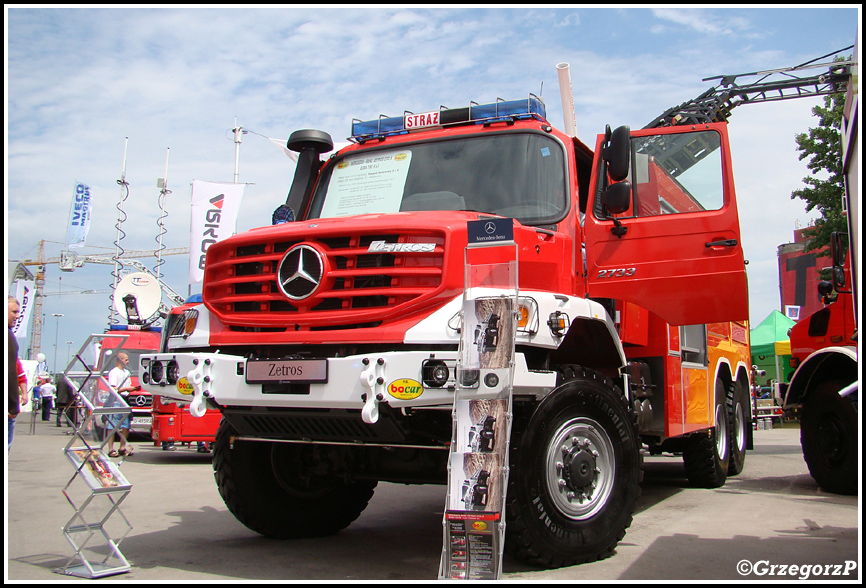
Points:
[(79, 217), (215, 207)]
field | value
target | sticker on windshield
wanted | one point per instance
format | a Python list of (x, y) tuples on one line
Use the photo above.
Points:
[(369, 183)]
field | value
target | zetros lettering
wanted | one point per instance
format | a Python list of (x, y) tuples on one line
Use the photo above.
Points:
[(212, 218), (275, 370), (382, 247)]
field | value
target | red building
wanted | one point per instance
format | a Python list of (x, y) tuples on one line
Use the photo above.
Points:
[(799, 274)]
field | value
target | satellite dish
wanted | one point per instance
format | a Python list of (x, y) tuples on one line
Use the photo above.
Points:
[(137, 297)]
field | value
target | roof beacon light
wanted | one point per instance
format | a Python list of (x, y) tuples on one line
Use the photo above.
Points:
[(384, 126)]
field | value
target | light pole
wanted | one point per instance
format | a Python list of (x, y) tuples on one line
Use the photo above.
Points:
[(68, 351), (56, 331)]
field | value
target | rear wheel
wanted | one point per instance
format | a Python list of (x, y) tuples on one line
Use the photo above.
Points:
[(575, 474), (269, 487), (707, 454), (828, 434), (738, 419)]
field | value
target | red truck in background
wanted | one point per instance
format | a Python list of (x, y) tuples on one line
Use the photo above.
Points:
[(824, 389), (137, 342), (172, 421)]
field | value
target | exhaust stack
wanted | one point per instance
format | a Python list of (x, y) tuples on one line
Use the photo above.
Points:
[(562, 70)]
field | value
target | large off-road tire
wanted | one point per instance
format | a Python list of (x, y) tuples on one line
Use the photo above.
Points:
[(738, 422), (575, 474), (269, 488), (706, 454), (828, 434)]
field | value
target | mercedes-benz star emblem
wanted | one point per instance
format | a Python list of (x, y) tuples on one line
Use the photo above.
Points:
[(141, 400), (300, 272), (490, 228)]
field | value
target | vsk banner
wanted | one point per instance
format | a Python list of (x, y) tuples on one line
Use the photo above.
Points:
[(25, 293), (215, 207)]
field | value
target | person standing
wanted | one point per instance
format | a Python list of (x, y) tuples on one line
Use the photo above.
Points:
[(47, 391), (15, 393), (119, 378), (65, 402)]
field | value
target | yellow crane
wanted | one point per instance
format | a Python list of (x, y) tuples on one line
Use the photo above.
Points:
[(68, 261)]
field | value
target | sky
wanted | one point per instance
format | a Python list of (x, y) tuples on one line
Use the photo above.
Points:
[(167, 86)]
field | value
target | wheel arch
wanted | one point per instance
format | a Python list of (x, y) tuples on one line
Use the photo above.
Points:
[(592, 343), (827, 363)]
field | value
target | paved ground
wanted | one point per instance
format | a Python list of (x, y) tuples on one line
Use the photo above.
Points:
[(773, 514)]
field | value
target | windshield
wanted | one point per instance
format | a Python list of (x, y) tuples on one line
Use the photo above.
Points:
[(518, 175)]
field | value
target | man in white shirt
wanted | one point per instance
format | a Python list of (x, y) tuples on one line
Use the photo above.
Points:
[(46, 391), (119, 378)]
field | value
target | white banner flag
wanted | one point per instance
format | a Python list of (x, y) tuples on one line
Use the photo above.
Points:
[(26, 295), (215, 207), (79, 217)]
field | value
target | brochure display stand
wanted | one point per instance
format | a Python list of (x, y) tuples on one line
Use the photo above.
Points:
[(97, 488), (474, 521)]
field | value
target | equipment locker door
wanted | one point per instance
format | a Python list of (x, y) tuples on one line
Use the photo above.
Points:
[(675, 247)]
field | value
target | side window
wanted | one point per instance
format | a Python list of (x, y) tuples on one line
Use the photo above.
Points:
[(677, 173), (694, 344)]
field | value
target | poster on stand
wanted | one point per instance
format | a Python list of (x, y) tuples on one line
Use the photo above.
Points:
[(473, 546), (97, 470)]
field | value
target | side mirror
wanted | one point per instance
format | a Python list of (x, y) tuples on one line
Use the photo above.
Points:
[(617, 197), (837, 248), (825, 288), (838, 279), (616, 152)]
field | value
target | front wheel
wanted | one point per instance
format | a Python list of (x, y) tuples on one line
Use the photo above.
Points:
[(828, 434), (575, 474), (270, 488)]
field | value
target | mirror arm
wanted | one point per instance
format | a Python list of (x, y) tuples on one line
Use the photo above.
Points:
[(618, 228)]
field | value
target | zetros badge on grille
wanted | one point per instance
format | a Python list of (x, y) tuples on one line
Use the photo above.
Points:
[(286, 370)]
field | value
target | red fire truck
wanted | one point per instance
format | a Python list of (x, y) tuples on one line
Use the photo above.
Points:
[(824, 388), (630, 267), (631, 305), (137, 342), (172, 421)]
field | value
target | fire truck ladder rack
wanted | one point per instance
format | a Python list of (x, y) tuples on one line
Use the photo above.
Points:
[(100, 483), (715, 104)]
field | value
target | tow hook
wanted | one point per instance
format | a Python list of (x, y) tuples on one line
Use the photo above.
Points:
[(199, 376), (373, 381)]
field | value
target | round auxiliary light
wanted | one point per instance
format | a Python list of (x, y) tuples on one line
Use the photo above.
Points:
[(434, 373)]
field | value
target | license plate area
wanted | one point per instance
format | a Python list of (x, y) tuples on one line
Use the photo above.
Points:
[(286, 371)]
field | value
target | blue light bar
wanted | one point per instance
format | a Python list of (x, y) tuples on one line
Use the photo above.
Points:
[(532, 107)]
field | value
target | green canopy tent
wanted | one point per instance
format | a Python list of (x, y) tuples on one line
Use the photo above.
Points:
[(771, 348)]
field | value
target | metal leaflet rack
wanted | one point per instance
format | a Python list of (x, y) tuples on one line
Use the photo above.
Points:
[(474, 520), (99, 479)]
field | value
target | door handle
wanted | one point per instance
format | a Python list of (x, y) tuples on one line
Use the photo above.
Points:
[(723, 243)]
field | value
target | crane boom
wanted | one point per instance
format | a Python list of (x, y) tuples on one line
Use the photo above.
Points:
[(715, 104)]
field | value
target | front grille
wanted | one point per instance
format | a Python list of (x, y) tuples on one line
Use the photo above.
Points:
[(357, 286)]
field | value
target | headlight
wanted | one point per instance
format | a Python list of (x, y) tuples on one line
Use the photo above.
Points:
[(172, 372), (434, 373), (157, 372)]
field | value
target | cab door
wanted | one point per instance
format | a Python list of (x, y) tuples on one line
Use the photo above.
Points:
[(669, 238)]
